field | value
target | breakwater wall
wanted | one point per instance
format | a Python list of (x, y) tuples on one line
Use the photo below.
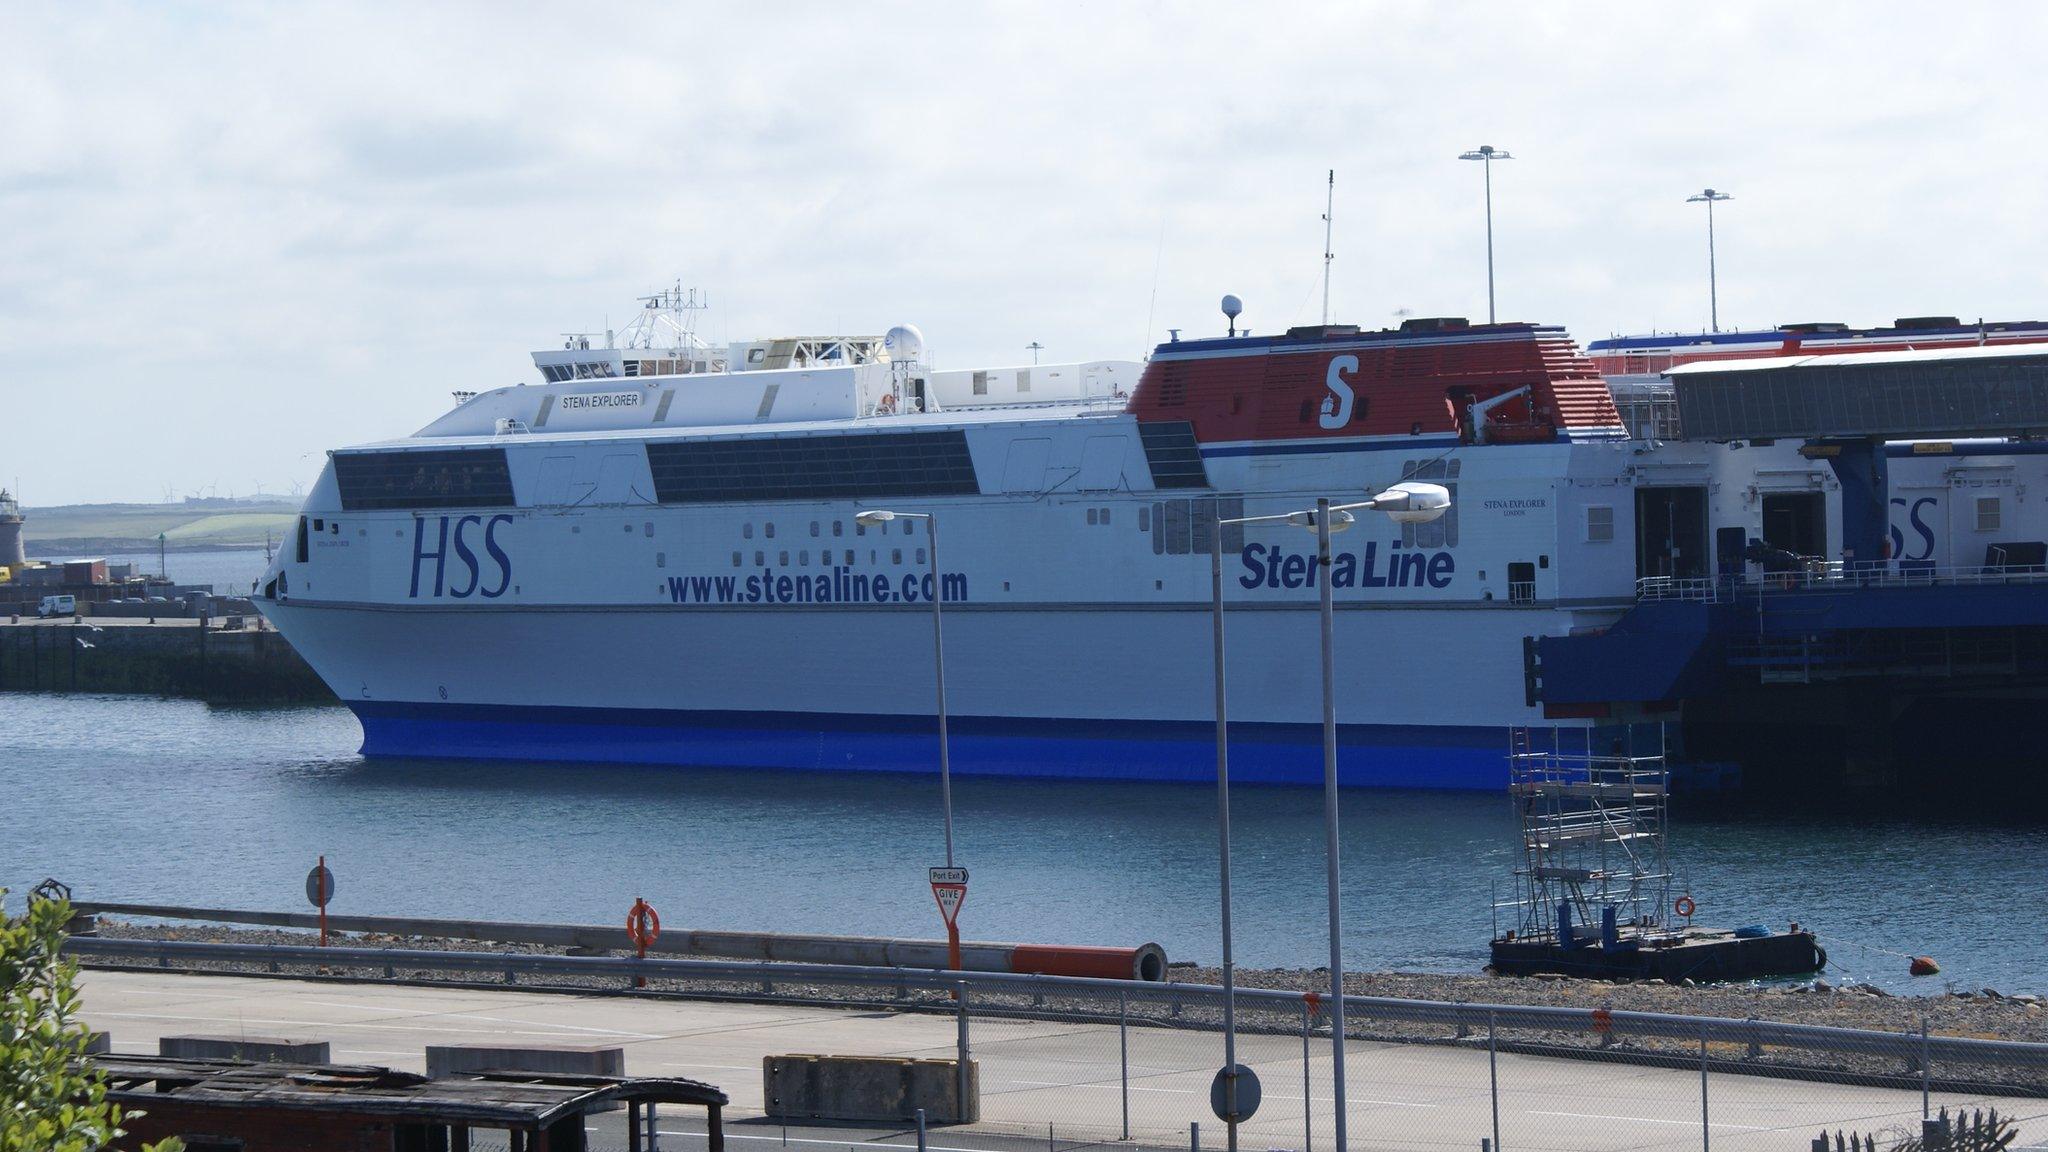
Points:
[(200, 659)]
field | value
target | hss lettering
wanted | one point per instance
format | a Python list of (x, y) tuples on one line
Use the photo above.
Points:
[(471, 569)]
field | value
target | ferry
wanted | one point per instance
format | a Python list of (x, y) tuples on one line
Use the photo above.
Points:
[(655, 553)]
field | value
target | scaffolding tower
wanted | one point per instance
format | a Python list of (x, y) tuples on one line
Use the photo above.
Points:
[(1590, 805)]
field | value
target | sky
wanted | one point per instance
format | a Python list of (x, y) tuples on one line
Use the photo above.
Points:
[(235, 236)]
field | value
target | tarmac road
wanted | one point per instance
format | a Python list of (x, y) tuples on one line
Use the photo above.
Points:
[(1037, 1073)]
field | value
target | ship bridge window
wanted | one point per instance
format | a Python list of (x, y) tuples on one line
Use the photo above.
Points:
[(436, 478), (867, 466)]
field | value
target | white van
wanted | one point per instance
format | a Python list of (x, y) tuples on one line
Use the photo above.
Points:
[(58, 606)]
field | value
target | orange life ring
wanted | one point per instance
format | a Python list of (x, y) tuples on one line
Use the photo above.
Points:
[(643, 924), (887, 404), (1684, 907)]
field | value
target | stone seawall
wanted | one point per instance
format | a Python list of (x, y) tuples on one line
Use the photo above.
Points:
[(171, 657)]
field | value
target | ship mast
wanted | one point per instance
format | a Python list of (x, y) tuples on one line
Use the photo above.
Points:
[(1329, 206)]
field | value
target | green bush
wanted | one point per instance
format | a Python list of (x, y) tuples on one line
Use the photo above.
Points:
[(51, 1098)]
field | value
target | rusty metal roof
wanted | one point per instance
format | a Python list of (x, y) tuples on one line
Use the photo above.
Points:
[(483, 1099)]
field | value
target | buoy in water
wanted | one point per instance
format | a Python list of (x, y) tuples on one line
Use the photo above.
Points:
[(1923, 966)]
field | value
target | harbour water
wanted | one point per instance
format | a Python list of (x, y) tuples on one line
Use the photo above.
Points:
[(130, 798), (231, 571)]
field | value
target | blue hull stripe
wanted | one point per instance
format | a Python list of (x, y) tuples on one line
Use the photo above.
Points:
[(1384, 756)]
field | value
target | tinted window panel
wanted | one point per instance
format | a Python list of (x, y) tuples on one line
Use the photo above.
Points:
[(438, 478), (1170, 450), (814, 467)]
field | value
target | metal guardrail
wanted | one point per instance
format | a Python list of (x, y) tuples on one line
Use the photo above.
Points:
[(1752, 1034), (1146, 961)]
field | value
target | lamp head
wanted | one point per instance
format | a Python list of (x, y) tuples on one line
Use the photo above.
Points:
[(873, 516), (1413, 502)]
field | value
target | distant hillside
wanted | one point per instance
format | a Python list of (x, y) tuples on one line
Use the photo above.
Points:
[(81, 529)]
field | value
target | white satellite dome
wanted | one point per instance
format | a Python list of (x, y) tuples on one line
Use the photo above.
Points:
[(904, 344)]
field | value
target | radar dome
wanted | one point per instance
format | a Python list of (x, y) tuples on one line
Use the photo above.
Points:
[(1232, 306), (904, 344)]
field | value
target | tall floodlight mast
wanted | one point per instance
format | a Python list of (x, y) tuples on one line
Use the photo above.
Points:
[(1709, 197), (1486, 154), (1329, 211)]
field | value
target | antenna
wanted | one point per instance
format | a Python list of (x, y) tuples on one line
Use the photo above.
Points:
[(1232, 307), (1329, 209)]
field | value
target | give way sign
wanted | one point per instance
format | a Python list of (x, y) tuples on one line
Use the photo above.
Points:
[(949, 888)]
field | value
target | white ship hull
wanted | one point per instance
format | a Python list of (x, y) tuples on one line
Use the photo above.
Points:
[(669, 570), (1031, 691)]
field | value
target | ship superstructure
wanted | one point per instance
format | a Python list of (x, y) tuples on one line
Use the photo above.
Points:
[(665, 566), (1634, 366)]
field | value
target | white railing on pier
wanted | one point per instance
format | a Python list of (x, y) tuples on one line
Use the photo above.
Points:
[(1836, 576)]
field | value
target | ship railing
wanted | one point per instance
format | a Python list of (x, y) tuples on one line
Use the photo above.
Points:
[(1838, 576), (1678, 588)]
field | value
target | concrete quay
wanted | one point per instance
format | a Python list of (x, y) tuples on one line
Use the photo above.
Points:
[(1050, 1084), (168, 656)]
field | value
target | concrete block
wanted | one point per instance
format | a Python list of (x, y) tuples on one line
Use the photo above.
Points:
[(577, 1060), (870, 1089), (255, 1049)]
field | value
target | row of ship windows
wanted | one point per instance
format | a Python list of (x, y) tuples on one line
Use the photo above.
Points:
[(803, 558), (838, 529), (1096, 516)]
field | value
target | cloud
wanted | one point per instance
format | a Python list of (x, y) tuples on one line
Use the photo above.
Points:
[(242, 234)]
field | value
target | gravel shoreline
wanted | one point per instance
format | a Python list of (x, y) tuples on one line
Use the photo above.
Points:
[(1979, 1014), (1818, 1002)]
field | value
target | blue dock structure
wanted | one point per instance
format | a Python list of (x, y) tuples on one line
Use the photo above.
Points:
[(1886, 666)]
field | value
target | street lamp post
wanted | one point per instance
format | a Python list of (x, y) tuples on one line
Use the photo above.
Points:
[(1223, 833), (1486, 154), (874, 518), (1709, 198), (1407, 502)]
